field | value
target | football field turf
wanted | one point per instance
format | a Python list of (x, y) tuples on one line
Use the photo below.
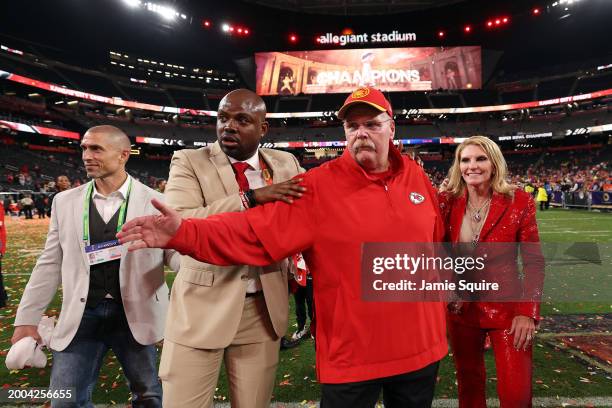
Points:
[(557, 372)]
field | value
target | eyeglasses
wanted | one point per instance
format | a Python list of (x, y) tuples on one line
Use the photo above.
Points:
[(370, 125)]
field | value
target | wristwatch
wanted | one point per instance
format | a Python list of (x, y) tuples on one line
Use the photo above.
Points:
[(250, 196)]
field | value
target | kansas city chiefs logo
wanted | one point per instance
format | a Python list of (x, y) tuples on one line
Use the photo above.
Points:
[(416, 198)]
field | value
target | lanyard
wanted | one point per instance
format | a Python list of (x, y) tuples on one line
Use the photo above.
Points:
[(265, 173), (121, 219)]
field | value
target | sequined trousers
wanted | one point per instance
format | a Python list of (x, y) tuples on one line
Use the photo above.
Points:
[(514, 367)]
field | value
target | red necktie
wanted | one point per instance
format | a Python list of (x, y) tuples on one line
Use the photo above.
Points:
[(239, 169)]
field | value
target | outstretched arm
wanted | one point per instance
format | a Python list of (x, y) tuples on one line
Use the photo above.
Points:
[(226, 239)]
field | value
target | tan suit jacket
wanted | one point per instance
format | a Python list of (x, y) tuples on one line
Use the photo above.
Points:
[(206, 302)]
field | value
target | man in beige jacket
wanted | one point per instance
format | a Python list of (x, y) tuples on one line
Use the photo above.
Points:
[(236, 313), (111, 298)]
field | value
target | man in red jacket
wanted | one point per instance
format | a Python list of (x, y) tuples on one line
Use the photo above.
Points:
[(366, 195)]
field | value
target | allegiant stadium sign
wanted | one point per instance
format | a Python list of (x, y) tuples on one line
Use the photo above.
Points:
[(394, 36)]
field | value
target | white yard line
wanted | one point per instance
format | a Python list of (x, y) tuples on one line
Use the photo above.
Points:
[(569, 219), (605, 232), (16, 274)]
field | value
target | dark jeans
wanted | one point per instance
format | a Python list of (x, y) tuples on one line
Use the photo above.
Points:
[(102, 328), (410, 390), (27, 210), (303, 298)]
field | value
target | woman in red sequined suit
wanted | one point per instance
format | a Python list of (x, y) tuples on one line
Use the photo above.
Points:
[(480, 206)]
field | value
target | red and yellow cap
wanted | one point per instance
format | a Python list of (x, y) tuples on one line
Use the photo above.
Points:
[(367, 95)]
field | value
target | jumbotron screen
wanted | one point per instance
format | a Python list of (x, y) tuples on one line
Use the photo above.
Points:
[(388, 69)]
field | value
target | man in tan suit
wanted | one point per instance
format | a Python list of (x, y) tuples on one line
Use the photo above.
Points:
[(235, 313)]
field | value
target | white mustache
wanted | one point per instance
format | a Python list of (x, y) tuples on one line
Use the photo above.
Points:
[(366, 145)]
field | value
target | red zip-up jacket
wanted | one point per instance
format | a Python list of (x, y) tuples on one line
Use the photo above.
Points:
[(343, 207)]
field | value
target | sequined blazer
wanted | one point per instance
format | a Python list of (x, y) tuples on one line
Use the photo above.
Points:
[(510, 219)]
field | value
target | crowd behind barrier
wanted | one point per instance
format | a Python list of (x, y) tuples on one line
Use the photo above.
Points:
[(572, 180)]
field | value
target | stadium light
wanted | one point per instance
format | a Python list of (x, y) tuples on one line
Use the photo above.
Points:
[(467, 28), (246, 31), (206, 23), (489, 24), (164, 11), (441, 34), (225, 27), (132, 3), (293, 38), (536, 11)]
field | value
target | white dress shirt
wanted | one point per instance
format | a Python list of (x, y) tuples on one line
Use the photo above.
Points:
[(256, 180), (108, 205), (253, 174)]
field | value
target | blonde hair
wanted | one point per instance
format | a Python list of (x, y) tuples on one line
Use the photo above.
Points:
[(499, 184)]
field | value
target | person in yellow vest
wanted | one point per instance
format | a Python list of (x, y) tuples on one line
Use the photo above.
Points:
[(542, 197)]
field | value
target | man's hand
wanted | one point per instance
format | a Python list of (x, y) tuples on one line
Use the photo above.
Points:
[(26, 331), (151, 231), (285, 191)]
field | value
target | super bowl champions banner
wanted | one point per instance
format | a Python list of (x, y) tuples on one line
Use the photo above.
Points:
[(388, 69)]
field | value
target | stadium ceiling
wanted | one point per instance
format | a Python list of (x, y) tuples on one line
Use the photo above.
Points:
[(353, 7)]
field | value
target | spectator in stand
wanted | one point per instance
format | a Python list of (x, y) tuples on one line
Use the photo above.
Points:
[(6, 203), (39, 203), (36, 170), (3, 295), (62, 183), (542, 197), (27, 205), (47, 203), (302, 294), (14, 208), (160, 185), (549, 194), (529, 188)]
